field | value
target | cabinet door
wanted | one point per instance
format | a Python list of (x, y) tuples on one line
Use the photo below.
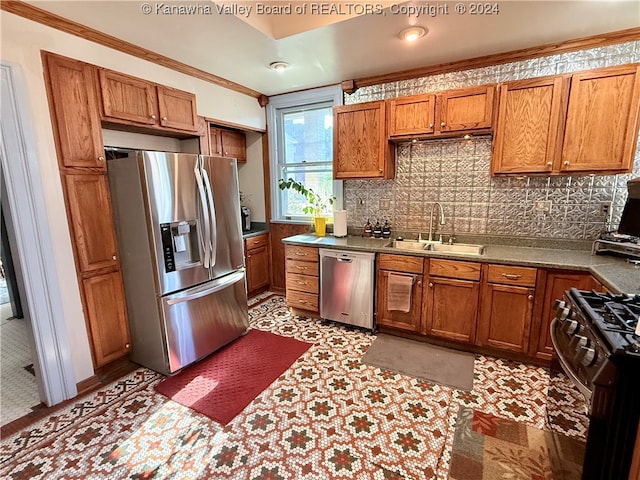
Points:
[(557, 283), (465, 109), (177, 109), (107, 317), (360, 146), (91, 221), (128, 98), (412, 115), (409, 321), (451, 309), (74, 111), (215, 141), (234, 145), (602, 120), (505, 317), (528, 126)]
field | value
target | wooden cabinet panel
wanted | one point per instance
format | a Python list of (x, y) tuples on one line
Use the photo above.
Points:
[(177, 109), (465, 109), (303, 300), (528, 128), (302, 267), (296, 252), (74, 111), (360, 146), (128, 98), (303, 283), (408, 321), (278, 231), (106, 315), (451, 308), (413, 115), (228, 143), (511, 275), (91, 221), (400, 263), (556, 284), (257, 253), (454, 269), (505, 317), (602, 120)]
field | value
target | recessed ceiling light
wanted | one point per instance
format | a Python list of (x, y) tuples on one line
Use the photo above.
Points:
[(278, 66), (411, 34)]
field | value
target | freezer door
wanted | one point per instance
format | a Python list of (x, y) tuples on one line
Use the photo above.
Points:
[(221, 179), (200, 320), (177, 219)]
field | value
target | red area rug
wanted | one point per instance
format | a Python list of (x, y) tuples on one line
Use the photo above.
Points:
[(223, 384)]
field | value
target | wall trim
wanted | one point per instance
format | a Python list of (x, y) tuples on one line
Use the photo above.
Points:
[(49, 19), (21, 172), (620, 36)]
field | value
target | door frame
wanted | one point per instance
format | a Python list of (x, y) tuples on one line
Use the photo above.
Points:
[(27, 212)]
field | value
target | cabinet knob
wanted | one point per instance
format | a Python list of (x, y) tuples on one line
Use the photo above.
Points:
[(248, 256), (226, 153), (164, 119), (566, 162), (153, 117), (419, 282), (442, 124), (127, 346), (431, 125), (430, 285), (549, 164), (380, 170), (530, 297), (100, 159), (114, 258)]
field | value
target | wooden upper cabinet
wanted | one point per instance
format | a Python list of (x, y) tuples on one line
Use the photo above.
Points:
[(75, 112), (465, 109), (360, 146), (528, 128), (228, 143), (602, 120), (177, 109), (128, 98), (413, 115), (91, 220)]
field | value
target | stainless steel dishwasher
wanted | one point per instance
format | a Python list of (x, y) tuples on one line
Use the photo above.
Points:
[(346, 287)]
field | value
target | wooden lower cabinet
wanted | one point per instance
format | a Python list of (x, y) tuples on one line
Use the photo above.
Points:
[(278, 231), (257, 259), (403, 265), (506, 309), (451, 308), (106, 315), (302, 278)]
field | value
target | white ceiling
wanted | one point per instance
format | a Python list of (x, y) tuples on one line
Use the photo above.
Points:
[(325, 49)]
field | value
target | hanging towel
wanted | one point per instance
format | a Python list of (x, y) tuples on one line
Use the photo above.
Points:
[(399, 289)]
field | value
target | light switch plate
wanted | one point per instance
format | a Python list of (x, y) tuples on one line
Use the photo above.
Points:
[(385, 204), (543, 206)]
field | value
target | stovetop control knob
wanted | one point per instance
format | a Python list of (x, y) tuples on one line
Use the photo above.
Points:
[(571, 327), (588, 356), (563, 313), (579, 342), (558, 304)]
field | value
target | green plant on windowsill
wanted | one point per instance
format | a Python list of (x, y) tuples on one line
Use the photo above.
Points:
[(316, 206)]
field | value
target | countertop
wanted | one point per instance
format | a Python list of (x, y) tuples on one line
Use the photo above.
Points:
[(614, 273), (257, 228)]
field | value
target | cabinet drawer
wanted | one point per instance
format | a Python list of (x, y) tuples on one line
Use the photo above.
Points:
[(510, 275), (256, 242), (304, 268), (454, 269), (400, 263), (302, 300), (302, 283), (301, 253)]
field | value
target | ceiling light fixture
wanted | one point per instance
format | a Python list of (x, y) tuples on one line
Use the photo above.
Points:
[(411, 34), (278, 66)]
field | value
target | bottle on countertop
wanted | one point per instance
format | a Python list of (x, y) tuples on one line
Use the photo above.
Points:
[(386, 230), (368, 229), (377, 230)]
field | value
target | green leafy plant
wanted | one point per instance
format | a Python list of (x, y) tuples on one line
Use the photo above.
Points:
[(316, 204)]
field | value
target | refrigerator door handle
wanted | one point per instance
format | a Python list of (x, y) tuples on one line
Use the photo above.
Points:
[(212, 217), (205, 213), (211, 287)]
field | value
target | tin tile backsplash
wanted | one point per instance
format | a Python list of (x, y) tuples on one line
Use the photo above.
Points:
[(455, 172)]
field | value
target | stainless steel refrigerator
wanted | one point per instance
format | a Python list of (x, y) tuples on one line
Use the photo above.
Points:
[(179, 234)]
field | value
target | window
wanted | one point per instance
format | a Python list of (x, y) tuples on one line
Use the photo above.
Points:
[(301, 147)]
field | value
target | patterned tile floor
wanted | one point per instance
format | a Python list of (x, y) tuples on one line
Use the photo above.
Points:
[(18, 389), (328, 416)]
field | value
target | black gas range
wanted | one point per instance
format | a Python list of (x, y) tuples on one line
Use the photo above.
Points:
[(594, 336)]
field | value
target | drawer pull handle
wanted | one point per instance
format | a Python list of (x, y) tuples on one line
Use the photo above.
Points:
[(511, 276), (303, 283), (302, 301), (300, 268), (301, 254)]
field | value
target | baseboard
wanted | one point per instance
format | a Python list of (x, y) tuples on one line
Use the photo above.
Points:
[(87, 384)]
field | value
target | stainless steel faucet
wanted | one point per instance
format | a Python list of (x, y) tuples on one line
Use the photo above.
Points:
[(431, 221)]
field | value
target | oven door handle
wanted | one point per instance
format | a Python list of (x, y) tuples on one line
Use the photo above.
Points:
[(565, 365)]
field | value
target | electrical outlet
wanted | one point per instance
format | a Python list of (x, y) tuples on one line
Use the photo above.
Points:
[(605, 208), (543, 206), (385, 204)]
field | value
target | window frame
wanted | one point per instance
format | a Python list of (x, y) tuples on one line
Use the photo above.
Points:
[(276, 108)]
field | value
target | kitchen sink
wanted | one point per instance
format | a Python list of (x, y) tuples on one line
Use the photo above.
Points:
[(465, 248), (408, 245)]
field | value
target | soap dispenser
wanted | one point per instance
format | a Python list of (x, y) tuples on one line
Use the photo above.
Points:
[(377, 230), (386, 230), (368, 229)]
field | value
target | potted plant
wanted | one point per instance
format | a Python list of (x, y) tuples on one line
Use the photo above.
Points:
[(316, 205)]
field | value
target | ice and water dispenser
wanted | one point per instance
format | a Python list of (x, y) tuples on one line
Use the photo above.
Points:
[(180, 244)]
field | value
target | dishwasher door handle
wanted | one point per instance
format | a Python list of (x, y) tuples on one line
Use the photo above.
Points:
[(346, 260)]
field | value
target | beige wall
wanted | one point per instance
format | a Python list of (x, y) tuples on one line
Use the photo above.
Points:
[(21, 41)]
